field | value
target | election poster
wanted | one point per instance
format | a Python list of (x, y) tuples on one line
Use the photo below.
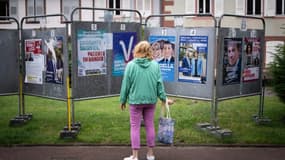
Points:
[(34, 61), (91, 53), (123, 45), (252, 52), (164, 53), (232, 61), (54, 59), (193, 51)]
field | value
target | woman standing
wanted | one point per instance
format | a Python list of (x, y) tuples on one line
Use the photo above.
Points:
[(142, 85)]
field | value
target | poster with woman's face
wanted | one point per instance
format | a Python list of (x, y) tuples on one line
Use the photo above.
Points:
[(193, 51), (164, 53), (252, 52), (232, 60)]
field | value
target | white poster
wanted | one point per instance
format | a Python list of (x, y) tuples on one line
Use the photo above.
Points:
[(34, 61), (91, 53)]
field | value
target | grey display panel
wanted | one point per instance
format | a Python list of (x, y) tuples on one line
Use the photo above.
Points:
[(189, 86), (48, 88), (9, 65), (248, 83), (100, 85)]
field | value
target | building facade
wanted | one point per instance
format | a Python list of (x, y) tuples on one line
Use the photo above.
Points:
[(273, 12)]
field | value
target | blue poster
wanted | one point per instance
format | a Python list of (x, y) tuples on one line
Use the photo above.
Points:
[(164, 53), (193, 52), (123, 45)]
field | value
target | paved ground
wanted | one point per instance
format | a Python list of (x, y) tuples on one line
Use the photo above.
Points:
[(162, 153)]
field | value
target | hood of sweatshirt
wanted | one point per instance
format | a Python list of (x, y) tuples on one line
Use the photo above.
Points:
[(142, 62)]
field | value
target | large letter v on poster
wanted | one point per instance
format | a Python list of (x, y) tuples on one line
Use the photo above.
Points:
[(127, 53)]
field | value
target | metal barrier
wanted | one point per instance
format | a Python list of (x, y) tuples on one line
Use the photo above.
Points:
[(10, 84), (97, 50), (44, 60), (250, 33), (191, 74)]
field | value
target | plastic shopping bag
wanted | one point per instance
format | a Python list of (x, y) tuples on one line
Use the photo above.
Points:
[(166, 128)]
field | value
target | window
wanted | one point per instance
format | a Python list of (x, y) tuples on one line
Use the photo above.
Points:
[(144, 7), (67, 6), (35, 8), (253, 7), (204, 6), (116, 4), (4, 8), (280, 7)]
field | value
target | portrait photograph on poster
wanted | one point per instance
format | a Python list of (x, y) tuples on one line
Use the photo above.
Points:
[(232, 60), (164, 53), (193, 51), (252, 51)]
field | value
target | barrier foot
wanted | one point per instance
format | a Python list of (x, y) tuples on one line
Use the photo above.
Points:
[(73, 128), (68, 134), (17, 121), (27, 116), (214, 130), (203, 126), (222, 133), (20, 120), (261, 120)]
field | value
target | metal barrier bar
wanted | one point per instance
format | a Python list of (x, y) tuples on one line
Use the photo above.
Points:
[(180, 15), (104, 9)]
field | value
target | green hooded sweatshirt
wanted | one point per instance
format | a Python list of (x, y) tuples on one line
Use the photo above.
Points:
[(142, 82)]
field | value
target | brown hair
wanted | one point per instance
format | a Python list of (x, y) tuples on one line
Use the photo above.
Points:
[(143, 50)]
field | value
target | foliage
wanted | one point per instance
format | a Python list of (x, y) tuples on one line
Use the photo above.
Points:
[(277, 70)]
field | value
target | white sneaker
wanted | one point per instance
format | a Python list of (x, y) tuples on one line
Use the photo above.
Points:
[(150, 157), (130, 158)]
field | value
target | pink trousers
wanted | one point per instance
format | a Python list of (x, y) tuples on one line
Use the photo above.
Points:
[(137, 112)]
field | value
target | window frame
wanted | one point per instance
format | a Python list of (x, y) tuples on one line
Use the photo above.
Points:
[(204, 6), (115, 5), (144, 8), (7, 9), (254, 8), (7, 13), (34, 20), (68, 18), (282, 8)]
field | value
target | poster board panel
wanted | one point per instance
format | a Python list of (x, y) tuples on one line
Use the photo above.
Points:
[(192, 75), (9, 64), (100, 76), (45, 62), (240, 63)]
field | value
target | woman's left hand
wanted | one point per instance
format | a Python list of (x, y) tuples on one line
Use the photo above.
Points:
[(123, 106)]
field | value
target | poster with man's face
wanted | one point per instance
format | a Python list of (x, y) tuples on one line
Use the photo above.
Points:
[(164, 53), (232, 60)]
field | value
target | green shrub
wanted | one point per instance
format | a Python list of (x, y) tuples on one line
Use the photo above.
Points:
[(277, 71)]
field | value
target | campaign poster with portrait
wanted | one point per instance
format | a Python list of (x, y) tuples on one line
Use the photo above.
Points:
[(91, 53), (193, 51), (164, 54), (54, 59), (123, 45), (232, 60), (252, 52), (34, 61)]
